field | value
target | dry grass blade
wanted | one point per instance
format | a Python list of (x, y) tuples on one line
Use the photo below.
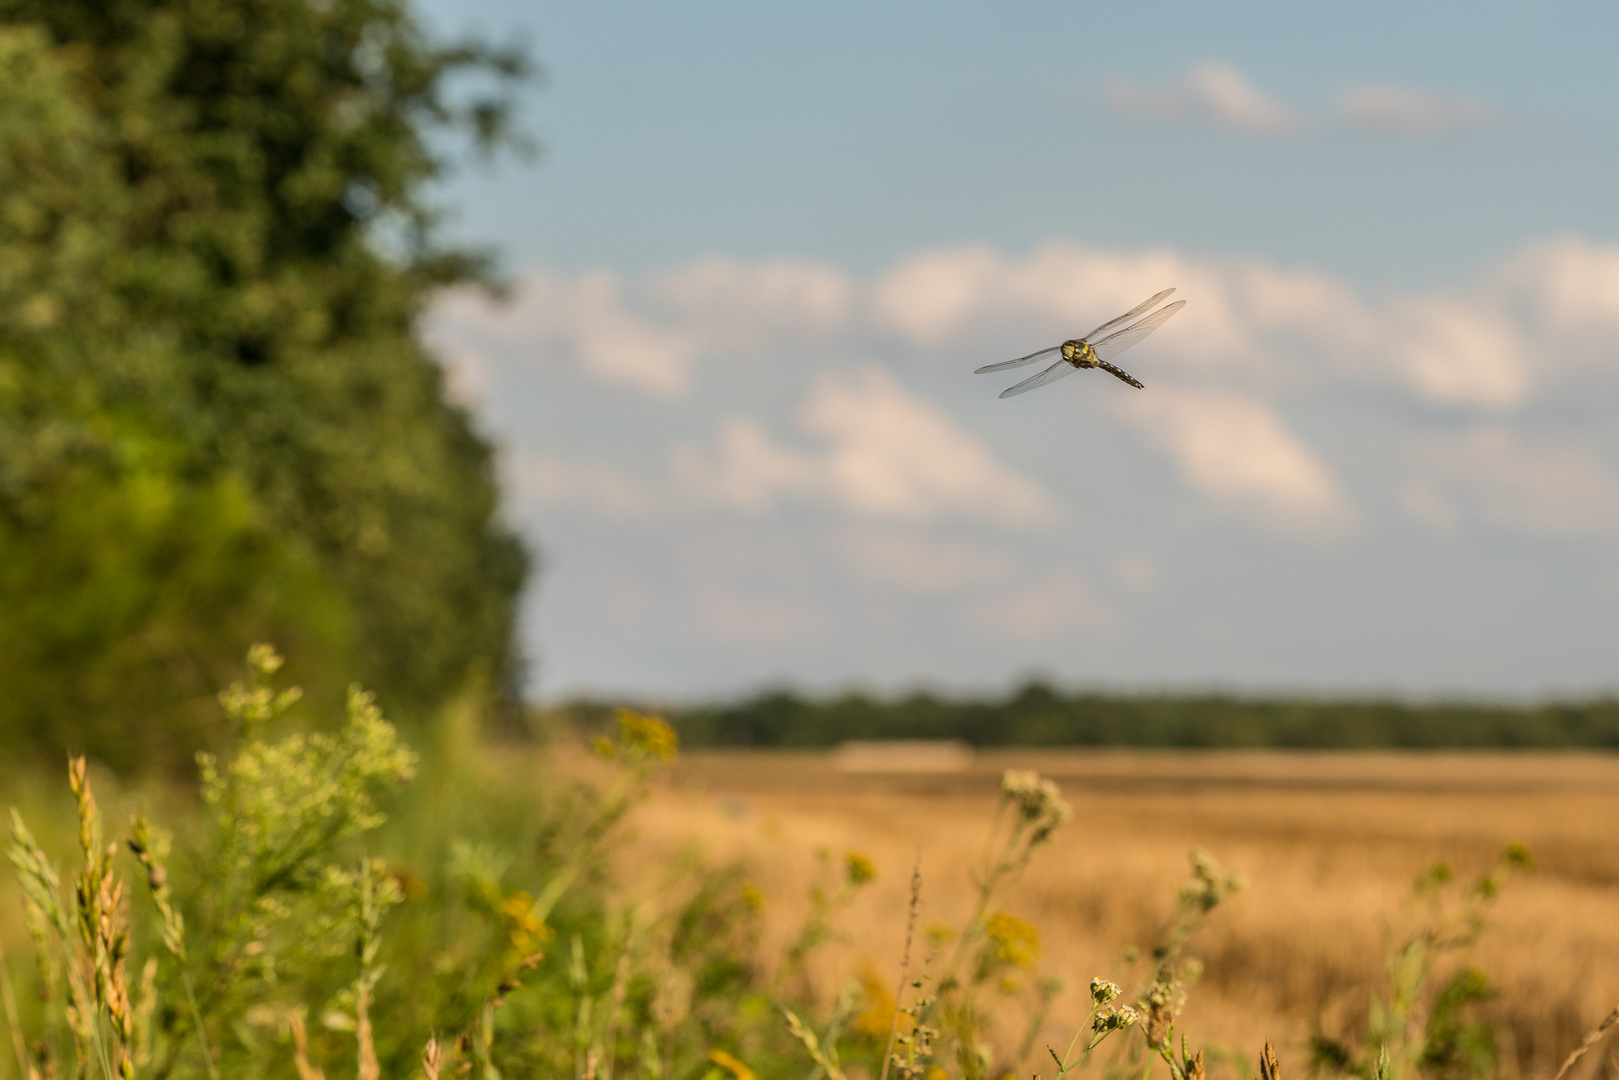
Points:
[(300, 1048), (368, 1068), (1590, 1040)]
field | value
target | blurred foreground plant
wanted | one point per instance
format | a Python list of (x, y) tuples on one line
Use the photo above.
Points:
[(483, 934), (276, 942)]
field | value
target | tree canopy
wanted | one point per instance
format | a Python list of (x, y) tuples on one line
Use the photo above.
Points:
[(218, 422)]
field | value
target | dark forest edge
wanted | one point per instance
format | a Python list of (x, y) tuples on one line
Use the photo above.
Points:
[(1039, 714)]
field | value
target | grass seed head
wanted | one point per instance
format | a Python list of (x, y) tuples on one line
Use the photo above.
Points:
[(1269, 1069)]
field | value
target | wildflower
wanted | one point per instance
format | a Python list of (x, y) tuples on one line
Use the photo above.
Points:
[(524, 928), (263, 658), (1114, 1019), (880, 1012), (1103, 991), (1163, 1002), (860, 868), (650, 735), (752, 896), (1016, 942), (1210, 883), (1039, 802)]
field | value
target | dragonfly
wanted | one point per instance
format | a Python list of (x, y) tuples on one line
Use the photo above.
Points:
[(1093, 350)]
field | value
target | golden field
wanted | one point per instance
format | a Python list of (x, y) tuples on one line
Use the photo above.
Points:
[(1329, 845)]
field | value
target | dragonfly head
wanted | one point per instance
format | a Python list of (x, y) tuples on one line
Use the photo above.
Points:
[(1079, 353)]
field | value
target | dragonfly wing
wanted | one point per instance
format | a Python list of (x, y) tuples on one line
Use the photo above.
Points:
[(1051, 374), (1114, 344), (1145, 305), (1121, 374), (1019, 362)]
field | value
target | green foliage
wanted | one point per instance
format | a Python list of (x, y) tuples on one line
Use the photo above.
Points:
[(318, 919), (1039, 715), (216, 419), (1450, 1042)]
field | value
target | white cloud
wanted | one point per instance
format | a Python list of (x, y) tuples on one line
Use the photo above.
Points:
[(727, 304), (466, 376), (915, 562), (1219, 95), (1060, 604), (895, 455), (546, 480), (1237, 451), (1568, 290), (746, 471), (1556, 488), (1212, 93), (646, 335), (1388, 109), (884, 453), (1459, 353), (586, 320)]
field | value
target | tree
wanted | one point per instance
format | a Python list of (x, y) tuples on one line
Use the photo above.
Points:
[(217, 420)]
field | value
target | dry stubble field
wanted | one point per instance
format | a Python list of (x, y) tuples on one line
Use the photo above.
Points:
[(1329, 845)]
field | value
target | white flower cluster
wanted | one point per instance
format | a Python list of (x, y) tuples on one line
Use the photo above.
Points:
[(1039, 802)]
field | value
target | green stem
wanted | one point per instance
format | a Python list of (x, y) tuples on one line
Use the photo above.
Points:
[(196, 1021), (13, 1021)]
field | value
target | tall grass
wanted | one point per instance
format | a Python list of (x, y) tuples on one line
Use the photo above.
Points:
[(320, 909)]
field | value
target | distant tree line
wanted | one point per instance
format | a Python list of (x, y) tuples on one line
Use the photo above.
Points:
[(1039, 714)]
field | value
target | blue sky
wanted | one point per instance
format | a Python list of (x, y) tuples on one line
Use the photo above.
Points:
[(767, 244)]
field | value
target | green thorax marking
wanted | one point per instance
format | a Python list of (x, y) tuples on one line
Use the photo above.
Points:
[(1079, 353)]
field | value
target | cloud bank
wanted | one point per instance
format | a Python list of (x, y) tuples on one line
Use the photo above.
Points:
[(780, 460), (1220, 376)]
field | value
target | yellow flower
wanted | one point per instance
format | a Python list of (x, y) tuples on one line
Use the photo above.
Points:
[(879, 1015), (752, 896), (524, 929), (860, 868), (651, 735), (1016, 942)]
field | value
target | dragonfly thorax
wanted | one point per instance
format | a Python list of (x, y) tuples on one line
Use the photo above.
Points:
[(1079, 353)]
